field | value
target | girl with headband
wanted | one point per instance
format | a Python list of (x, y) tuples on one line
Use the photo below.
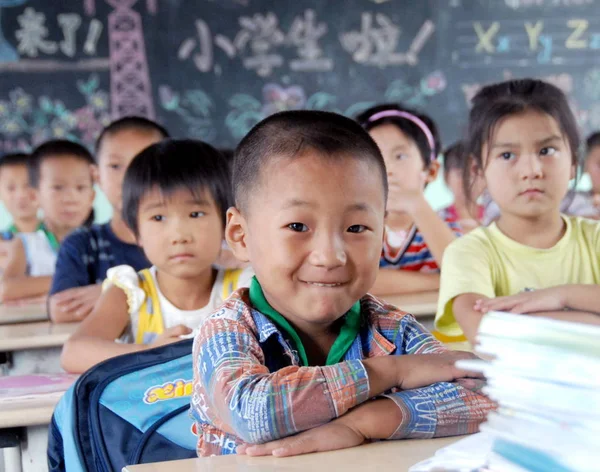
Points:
[(415, 236)]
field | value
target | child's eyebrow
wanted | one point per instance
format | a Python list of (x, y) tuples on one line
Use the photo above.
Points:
[(538, 142), (359, 207), (198, 201), (364, 207), (152, 206), (295, 202), (549, 139)]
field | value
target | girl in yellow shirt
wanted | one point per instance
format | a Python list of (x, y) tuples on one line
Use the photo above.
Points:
[(523, 140)]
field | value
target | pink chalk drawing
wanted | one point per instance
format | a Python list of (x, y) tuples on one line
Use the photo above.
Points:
[(130, 87)]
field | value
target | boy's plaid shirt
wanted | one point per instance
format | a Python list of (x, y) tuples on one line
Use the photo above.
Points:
[(249, 385)]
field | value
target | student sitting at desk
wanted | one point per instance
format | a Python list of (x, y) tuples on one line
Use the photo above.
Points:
[(62, 174), (175, 195), (18, 198), (306, 344), (524, 141), (415, 235), (88, 253)]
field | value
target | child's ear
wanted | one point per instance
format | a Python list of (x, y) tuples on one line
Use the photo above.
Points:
[(236, 232), (95, 173), (432, 172)]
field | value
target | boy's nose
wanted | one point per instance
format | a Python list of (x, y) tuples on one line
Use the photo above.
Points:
[(329, 252), (180, 234)]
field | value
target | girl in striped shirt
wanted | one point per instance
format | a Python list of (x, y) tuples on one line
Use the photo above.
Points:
[(415, 235)]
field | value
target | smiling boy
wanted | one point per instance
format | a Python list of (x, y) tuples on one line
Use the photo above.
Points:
[(306, 344)]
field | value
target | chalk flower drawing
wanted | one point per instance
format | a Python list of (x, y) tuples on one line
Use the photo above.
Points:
[(26, 121), (195, 107)]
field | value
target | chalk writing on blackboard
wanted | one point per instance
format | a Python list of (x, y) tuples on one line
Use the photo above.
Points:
[(32, 34), (507, 43), (259, 41), (377, 41), (305, 34)]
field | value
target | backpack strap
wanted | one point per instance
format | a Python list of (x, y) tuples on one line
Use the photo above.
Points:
[(150, 319), (231, 279)]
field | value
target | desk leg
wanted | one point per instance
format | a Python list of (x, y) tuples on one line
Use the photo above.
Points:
[(10, 446), (34, 449), (12, 459)]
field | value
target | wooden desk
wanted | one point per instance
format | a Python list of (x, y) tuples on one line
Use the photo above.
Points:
[(32, 418), (27, 336), (27, 412), (417, 304), (22, 314), (400, 455)]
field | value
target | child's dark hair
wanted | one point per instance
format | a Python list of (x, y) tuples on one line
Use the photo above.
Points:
[(495, 102), (289, 134), (15, 159), (227, 154), (592, 141), (172, 165), (128, 123), (454, 157), (417, 126), (52, 149)]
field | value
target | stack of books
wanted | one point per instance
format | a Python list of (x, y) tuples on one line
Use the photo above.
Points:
[(545, 376)]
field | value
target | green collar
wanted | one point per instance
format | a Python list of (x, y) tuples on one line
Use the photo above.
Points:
[(348, 332), (54, 244), (12, 229)]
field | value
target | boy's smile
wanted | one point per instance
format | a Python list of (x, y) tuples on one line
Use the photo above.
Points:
[(312, 231)]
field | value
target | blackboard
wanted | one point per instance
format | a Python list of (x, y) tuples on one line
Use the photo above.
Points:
[(212, 69)]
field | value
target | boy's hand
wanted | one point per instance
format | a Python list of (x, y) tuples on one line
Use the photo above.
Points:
[(337, 434), (549, 299), (421, 370), (77, 302), (171, 335), (376, 419)]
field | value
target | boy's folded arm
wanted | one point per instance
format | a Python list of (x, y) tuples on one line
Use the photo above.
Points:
[(397, 281), (16, 288), (15, 284), (257, 405), (441, 409), (71, 272)]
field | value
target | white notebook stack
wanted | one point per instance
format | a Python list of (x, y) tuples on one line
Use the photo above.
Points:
[(545, 376)]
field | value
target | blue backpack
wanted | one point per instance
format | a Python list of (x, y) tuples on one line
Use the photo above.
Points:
[(131, 409)]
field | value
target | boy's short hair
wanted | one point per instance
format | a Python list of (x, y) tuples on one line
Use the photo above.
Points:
[(127, 123), (14, 159), (592, 141), (289, 134), (51, 149), (172, 165), (454, 157)]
